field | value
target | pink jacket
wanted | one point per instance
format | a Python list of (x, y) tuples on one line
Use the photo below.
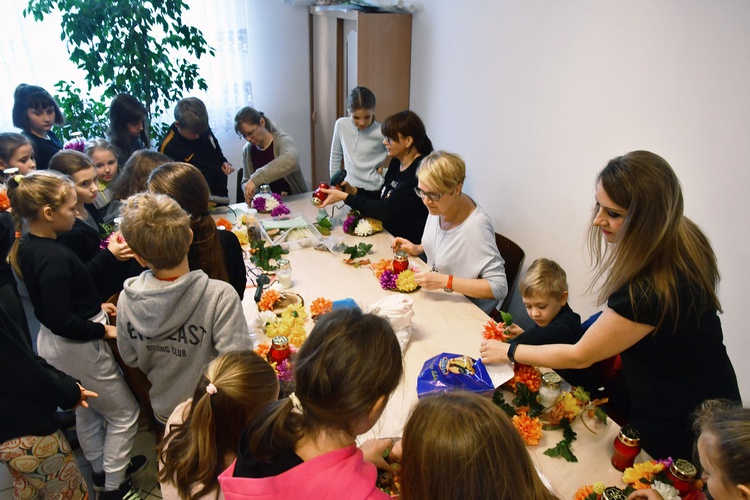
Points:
[(335, 475)]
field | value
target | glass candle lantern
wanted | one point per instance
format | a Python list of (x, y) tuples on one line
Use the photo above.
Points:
[(550, 389), (280, 349), (284, 273), (682, 473), (627, 446), (400, 261), (264, 189), (318, 196)]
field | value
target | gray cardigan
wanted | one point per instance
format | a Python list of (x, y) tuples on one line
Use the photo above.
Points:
[(285, 164)]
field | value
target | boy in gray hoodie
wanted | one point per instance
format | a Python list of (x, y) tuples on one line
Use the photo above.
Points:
[(172, 321)]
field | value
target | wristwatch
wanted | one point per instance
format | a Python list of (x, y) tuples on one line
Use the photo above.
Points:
[(449, 287)]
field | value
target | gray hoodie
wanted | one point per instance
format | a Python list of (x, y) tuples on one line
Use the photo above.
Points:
[(172, 329)]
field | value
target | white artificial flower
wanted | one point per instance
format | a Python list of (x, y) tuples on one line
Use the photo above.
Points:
[(271, 202), (364, 228), (263, 319), (667, 491)]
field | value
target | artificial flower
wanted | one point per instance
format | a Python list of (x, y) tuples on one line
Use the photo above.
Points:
[(241, 235), (284, 371), (4, 201), (363, 228), (222, 222), (584, 492), (377, 226), (642, 471), (279, 211), (262, 320), (571, 406), (405, 281), (268, 299), (259, 203), (388, 280), (271, 203), (296, 311), (599, 487), (320, 306), (380, 266), (529, 428), (495, 331), (527, 375), (667, 491), (263, 349)]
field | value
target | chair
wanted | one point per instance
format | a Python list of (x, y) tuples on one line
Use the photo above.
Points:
[(513, 256)]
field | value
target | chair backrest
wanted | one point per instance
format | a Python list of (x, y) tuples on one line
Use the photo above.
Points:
[(513, 256)]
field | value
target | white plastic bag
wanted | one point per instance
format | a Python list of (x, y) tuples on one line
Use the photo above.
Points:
[(398, 310)]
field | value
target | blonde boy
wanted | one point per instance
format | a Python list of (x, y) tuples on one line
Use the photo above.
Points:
[(544, 290), (172, 321)]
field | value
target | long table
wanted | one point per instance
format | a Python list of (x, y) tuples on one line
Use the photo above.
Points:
[(442, 322)]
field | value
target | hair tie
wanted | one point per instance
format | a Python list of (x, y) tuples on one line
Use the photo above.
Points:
[(211, 389), (296, 405), (18, 178), (18, 234)]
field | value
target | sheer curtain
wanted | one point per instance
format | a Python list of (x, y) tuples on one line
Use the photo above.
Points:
[(33, 53)]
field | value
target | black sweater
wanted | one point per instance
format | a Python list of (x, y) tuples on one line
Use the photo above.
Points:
[(32, 388), (396, 204), (60, 288)]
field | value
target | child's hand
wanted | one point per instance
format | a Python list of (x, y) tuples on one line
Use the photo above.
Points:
[(110, 332), (109, 308), (373, 450), (227, 168), (646, 494), (494, 351), (85, 394), (119, 247), (515, 330)]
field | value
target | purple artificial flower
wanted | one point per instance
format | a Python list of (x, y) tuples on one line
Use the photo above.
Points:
[(280, 210), (75, 145), (259, 203), (278, 197), (667, 462), (388, 280), (350, 223), (285, 371)]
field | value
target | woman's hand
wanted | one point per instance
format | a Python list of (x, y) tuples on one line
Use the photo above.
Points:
[(407, 246), (119, 247), (493, 351), (85, 394), (334, 196), (373, 450), (430, 280), (227, 168), (249, 192)]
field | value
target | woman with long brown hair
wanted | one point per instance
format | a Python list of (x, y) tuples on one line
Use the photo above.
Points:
[(461, 445), (217, 253), (659, 282), (203, 432)]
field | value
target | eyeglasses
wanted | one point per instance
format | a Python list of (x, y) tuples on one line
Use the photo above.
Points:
[(248, 135), (433, 197)]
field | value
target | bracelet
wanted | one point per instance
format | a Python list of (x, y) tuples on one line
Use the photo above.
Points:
[(512, 352)]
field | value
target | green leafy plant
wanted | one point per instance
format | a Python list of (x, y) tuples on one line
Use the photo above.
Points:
[(261, 255), (360, 250), (142, 48), (83, 113)]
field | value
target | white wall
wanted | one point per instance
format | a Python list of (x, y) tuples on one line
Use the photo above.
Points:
[(538, 96)]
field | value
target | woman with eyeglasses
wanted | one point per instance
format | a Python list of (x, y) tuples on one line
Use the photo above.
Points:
[(396, 203), (458, 239), (269, 157)]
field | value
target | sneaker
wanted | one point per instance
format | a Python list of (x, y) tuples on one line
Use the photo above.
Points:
[(137, 464), (125, 492)]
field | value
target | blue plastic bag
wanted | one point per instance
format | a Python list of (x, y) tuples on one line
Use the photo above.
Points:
[(449, 372)]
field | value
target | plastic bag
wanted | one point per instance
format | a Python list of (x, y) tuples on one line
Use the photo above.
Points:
[(449, 372), (397, 309)]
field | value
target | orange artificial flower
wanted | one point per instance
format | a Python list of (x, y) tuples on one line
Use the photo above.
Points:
[(263, 349), (528, 375), (583, 492), (380, 266), (495, 331), (320, 306), (222, 222), (4, 201), (268, 299), (529, 428)]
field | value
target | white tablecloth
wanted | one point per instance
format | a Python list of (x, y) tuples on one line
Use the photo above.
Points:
[(443, 322)]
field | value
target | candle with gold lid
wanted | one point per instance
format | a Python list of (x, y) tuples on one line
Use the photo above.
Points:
[(627, 446)]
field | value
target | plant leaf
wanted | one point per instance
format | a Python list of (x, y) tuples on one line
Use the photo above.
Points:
[(561, 449)]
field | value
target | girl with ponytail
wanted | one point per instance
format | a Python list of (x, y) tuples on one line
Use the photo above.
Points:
[(203, 432)]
